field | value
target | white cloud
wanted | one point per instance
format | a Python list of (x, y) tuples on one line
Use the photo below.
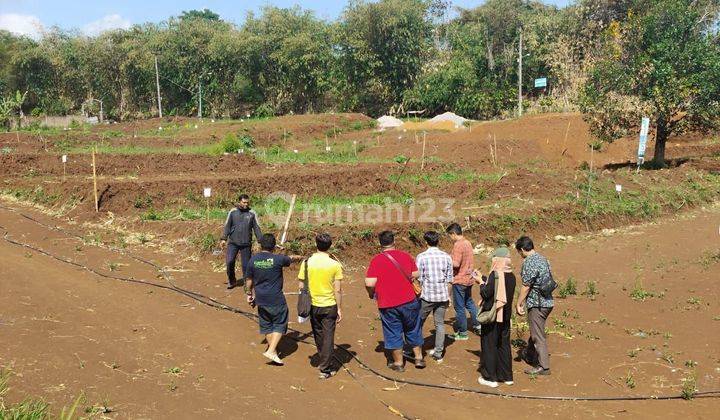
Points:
[(106, 23), (27, 25)]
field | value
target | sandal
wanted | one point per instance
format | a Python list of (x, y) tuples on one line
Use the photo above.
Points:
[(396, 368)]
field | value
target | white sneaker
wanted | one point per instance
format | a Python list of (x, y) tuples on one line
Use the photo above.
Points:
[(274, 357), (491, 384), (508, 382)]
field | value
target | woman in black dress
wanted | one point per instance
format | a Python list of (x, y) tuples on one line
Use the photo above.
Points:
[(496, 358)]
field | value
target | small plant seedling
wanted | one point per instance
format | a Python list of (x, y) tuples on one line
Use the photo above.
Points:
[(633, 353), (691, 363), (630, 380), (559, 323), (175, 370), (172, 387), (639, 293), (590, 290), (113, 266), (568, 289), (689, 385)]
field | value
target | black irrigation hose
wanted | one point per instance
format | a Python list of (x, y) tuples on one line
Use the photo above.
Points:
[(219, 305)]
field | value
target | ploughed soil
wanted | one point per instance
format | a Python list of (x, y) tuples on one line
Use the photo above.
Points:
[(138, 351), (147, 352)]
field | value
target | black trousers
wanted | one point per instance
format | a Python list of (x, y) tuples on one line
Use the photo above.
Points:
[(323, 321), (496, 359), (245, 252)]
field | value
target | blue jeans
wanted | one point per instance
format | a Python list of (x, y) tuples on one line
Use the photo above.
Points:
[(462, 300), (402, 324)]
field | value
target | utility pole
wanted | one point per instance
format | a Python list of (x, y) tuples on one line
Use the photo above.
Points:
[(200, 98), (520, 58), (157, 82)]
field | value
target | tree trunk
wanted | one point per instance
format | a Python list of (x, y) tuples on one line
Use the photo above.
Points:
[(660, 140)]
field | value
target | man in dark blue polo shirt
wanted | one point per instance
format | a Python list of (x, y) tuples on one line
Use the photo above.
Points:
[(264, 286)]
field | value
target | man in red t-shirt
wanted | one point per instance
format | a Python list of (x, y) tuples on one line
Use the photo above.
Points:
[(389, 279)]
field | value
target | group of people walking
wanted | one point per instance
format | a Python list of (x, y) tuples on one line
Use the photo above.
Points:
[(406, 290)]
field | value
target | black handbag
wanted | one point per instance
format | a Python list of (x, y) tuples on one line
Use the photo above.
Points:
[(304, 301)]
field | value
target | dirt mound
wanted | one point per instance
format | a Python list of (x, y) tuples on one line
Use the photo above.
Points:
[(386, 122), (449, 116)]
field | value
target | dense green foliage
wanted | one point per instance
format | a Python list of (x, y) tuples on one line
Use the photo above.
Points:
[(377, 55), (663, 63)]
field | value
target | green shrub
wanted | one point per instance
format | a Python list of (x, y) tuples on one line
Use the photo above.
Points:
[(230, 143), (264, 111)]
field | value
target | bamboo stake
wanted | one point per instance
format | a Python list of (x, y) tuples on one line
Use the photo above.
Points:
[(495, 148), (567, 130), (95, 189), (287, 220), (422, 162), (355, 148), (207, 208)]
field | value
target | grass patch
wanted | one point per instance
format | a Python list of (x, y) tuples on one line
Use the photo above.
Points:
[(37, 195), (644, 201), (29, 408), (337, 154), (319, 205), (206, 243), (448, 177)]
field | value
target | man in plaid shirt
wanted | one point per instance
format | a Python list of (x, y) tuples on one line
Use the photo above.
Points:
[(435, 269)]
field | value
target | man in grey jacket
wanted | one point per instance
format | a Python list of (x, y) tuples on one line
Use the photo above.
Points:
[(240, 224)]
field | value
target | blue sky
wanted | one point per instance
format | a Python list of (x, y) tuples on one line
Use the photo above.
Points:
[(29, 17)]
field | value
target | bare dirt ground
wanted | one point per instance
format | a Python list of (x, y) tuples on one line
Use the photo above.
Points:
[(149, 352)]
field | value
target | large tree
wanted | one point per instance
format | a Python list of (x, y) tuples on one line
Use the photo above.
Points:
[(662, 61)]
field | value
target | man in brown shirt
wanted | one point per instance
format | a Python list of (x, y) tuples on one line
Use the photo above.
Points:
[(463, 266)]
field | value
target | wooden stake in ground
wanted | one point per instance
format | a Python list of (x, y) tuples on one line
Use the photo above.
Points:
[(422, 162), (287, 219), (64, 162), (495, 148), (95, 190), (327, 144), (567, 130), (355, 148)]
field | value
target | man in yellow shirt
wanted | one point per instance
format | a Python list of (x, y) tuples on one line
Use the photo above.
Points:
[(323, 276)]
